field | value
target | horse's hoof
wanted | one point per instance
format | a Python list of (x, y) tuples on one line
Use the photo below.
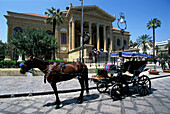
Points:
[(57, 107), (80, 101)]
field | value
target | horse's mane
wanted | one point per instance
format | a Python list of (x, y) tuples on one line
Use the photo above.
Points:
[(44, 61)]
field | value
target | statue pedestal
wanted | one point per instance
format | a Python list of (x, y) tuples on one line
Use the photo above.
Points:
[(75, 53)]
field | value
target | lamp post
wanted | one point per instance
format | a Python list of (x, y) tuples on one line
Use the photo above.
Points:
[(82, 31), (122, 26)]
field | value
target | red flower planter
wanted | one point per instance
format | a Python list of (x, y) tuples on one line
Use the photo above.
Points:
[(168, 71), (153, 72)]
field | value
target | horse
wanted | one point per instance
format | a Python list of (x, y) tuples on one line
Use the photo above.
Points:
[(55, 72)]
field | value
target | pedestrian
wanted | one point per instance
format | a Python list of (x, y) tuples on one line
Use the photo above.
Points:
[(154, 60), (168, 61), (159, 60), (163, 63)]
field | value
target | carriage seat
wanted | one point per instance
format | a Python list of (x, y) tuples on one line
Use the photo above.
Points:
[(132, 68)]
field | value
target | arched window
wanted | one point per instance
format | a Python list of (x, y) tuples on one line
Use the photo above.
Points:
[(49, 32), (118, 42), (18, 29)]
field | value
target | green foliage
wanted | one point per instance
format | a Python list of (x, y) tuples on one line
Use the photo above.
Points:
[(143, 40), (10, 64), (163, 55), (4, 50), (154, 23), (54, 16), (15, 64), (34, 42)]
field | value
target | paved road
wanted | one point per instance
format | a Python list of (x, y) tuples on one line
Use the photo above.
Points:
[(155, 103), (13, 85)]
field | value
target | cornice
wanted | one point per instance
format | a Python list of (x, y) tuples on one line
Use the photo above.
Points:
[(77, 9)]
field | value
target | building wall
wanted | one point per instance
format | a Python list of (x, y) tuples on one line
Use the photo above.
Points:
[(97, 23)]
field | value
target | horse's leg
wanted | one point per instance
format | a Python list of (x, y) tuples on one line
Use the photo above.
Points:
[(80, 98), (53, 85), (86, 81)]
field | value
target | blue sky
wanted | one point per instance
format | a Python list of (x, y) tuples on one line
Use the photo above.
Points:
[(137, 13)]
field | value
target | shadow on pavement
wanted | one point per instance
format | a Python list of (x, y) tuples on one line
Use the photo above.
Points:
[(131, 93), (74, 100)]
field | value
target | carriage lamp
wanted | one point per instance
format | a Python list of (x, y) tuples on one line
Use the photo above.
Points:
[(122, 26)]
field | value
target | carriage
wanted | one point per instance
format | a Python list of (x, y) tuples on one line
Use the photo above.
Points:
[(118, 79)]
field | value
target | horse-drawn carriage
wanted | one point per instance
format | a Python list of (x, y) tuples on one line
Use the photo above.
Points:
[(119, 79)]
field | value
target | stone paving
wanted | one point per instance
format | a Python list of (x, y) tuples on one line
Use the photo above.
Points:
[(158, 102), (11, 85)]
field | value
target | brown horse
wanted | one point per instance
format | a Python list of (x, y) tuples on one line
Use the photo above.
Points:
[(55, 72)]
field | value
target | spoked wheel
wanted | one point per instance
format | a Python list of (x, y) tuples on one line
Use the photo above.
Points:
[(102, 87), (115, 91), (143, 85)]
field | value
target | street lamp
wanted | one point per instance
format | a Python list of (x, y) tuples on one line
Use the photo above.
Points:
[(82, 31), (122, 26)]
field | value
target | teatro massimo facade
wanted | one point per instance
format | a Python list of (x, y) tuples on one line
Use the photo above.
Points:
[(96, 22)]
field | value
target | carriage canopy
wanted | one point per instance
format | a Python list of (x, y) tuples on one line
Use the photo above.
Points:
[(129, 54)]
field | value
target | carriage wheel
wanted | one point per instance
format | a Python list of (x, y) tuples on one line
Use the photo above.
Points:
[(143, 85), (115, 91), (102, 87)]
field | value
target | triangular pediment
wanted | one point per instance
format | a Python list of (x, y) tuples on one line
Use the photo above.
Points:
[(92, 10)]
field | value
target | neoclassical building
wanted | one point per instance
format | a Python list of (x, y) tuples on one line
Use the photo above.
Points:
[(96, 22)]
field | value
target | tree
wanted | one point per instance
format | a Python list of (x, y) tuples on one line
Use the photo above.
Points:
[(144, 41), (55, 17), (4, 50), (34, 42), (132, 44), (154, 23)]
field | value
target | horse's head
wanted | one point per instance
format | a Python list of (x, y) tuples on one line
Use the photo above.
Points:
[(25, 67)]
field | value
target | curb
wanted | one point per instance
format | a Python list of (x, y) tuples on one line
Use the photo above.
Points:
[(40, 93), (159, 77), (51, 92)]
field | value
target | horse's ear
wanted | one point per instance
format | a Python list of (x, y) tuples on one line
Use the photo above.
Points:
[(31, 57)]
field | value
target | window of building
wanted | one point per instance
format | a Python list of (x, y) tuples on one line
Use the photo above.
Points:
[(49, 32), (63, 38), (118, 42), (124, 42), (18, 29)]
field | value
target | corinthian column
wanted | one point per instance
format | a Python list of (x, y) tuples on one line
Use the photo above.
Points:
[(90, 33), (104, 36), (73, 34), (111, 39), (98, 37), (70, 40)]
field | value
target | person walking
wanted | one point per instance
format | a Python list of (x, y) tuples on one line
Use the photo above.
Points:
[(163, 63), (159, 61)]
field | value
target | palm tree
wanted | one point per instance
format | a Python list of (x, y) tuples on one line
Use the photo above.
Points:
[(144, 41), (154, 23), (132, 44), (55, 17)]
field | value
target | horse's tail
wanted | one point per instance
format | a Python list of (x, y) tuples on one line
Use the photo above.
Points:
[(86, 78)]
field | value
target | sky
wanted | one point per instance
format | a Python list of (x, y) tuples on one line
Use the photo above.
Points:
[(137, 13)]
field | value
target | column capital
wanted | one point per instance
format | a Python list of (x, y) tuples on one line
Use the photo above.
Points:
[(90, 22), (97, 24), (104, 26)]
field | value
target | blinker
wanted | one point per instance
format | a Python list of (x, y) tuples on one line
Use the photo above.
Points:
[(21, 64)]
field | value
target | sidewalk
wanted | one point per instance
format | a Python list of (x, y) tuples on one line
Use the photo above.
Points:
[(13, 86)]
